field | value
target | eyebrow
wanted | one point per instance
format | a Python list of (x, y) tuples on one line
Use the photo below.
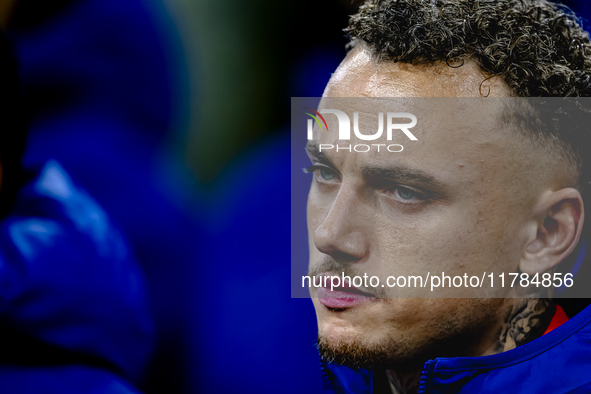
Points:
[(401, 174), (398, 173), (313, 150)]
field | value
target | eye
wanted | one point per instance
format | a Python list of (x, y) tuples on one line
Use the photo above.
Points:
[(407, 195), (324, 173)]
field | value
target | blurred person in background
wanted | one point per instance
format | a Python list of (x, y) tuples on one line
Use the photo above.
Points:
[(102, 88), (73, 311)]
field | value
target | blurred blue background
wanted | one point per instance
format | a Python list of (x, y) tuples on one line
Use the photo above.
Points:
[(174, 115)]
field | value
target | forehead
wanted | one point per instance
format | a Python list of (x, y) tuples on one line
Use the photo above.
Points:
[(361, 75), (457, 131)]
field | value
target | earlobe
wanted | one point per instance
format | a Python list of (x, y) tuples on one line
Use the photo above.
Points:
[(560, 222)]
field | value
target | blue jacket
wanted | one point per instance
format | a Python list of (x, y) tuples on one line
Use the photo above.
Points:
[(558, 362), (71, 295)]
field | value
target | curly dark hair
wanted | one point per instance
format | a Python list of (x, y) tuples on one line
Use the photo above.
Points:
[(539, 48)]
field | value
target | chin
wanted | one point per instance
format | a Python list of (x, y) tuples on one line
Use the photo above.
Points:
[(356, 351), (367, 337), (356, 344)]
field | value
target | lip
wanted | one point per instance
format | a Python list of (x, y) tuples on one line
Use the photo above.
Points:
[(343, 297)]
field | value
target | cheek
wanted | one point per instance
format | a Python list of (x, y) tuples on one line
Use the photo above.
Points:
[(313, 220), (416, 244), (452, 240), (320, 201), (318, 207), (316, 210)]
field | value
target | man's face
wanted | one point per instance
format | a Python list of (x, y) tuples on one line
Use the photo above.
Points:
[(458, 200)]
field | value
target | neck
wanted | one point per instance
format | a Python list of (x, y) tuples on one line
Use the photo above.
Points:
[(404, 383), (527, 320)]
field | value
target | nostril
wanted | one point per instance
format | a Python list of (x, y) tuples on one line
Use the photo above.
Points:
[(343, 257)]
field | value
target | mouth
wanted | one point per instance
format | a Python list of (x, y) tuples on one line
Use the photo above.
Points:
[(343, 297)]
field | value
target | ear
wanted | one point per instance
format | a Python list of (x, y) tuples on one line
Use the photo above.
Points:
[(559, 222)]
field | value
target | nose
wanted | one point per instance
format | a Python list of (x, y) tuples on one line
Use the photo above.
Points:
[(343, 232)]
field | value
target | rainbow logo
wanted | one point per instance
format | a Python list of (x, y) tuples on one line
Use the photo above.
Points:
[(316, 119)]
